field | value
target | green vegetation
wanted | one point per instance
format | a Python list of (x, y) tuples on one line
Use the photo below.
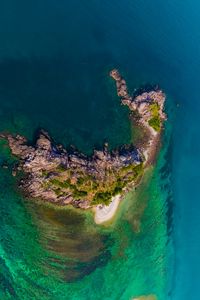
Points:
[(61, 168), (79, 194), (45, 173), (62, 184), (102, 198), (154, 108), (138, 170), (58, 192), (98, 191), (155, 122), (80, 181), (94, 185), (131, 171), (125, 175)]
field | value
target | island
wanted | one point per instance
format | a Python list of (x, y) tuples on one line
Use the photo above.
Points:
[(100, 181)]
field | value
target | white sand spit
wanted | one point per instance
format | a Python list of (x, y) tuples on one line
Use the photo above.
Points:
[(105, 213)]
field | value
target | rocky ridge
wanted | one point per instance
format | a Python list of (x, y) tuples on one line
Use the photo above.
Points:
[(149, 108), (55, 175)]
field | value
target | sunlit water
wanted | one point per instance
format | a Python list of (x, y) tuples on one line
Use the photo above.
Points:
[(55, 60)]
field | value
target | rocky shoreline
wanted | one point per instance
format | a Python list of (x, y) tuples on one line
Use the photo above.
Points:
[(53, 174), (149, 109)]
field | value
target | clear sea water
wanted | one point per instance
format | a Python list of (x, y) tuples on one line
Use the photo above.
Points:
[(54, 62)]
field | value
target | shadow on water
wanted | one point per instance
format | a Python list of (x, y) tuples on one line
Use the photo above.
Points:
[(60, 95), (75, 249), (32, 86), (165, 173), (165, 170), (63, 244)]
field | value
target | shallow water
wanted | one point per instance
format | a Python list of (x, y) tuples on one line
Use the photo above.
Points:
[(54, 64), (52, 253)]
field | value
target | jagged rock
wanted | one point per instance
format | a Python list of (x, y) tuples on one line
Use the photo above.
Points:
[(44, 142), (54, 175)]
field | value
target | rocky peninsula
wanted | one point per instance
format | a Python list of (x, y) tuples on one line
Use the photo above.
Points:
[(53, 174)]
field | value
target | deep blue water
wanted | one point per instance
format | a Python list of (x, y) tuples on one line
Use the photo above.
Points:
[(55, 56)]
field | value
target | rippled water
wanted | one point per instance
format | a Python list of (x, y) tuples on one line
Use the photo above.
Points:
[(54, 64), (61, 254)]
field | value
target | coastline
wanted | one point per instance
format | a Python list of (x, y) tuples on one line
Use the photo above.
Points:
[(98, 182), (104, 213)]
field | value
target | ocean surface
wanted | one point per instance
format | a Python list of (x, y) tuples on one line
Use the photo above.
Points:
[(55, 58)]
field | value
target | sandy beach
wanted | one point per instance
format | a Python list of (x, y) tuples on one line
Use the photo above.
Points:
[(105, 213)]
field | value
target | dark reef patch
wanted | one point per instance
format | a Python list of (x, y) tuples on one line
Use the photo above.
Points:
[(75, 249)]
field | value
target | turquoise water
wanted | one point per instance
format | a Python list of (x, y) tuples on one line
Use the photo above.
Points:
[(54, 62)]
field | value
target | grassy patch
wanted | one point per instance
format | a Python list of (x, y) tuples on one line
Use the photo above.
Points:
[(98, 191), (155, 122), (79, 194), (154, 108), (45, 173), (102, 198)]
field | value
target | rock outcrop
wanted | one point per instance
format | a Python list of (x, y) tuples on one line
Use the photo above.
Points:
[(149, 107), (55, 175)]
